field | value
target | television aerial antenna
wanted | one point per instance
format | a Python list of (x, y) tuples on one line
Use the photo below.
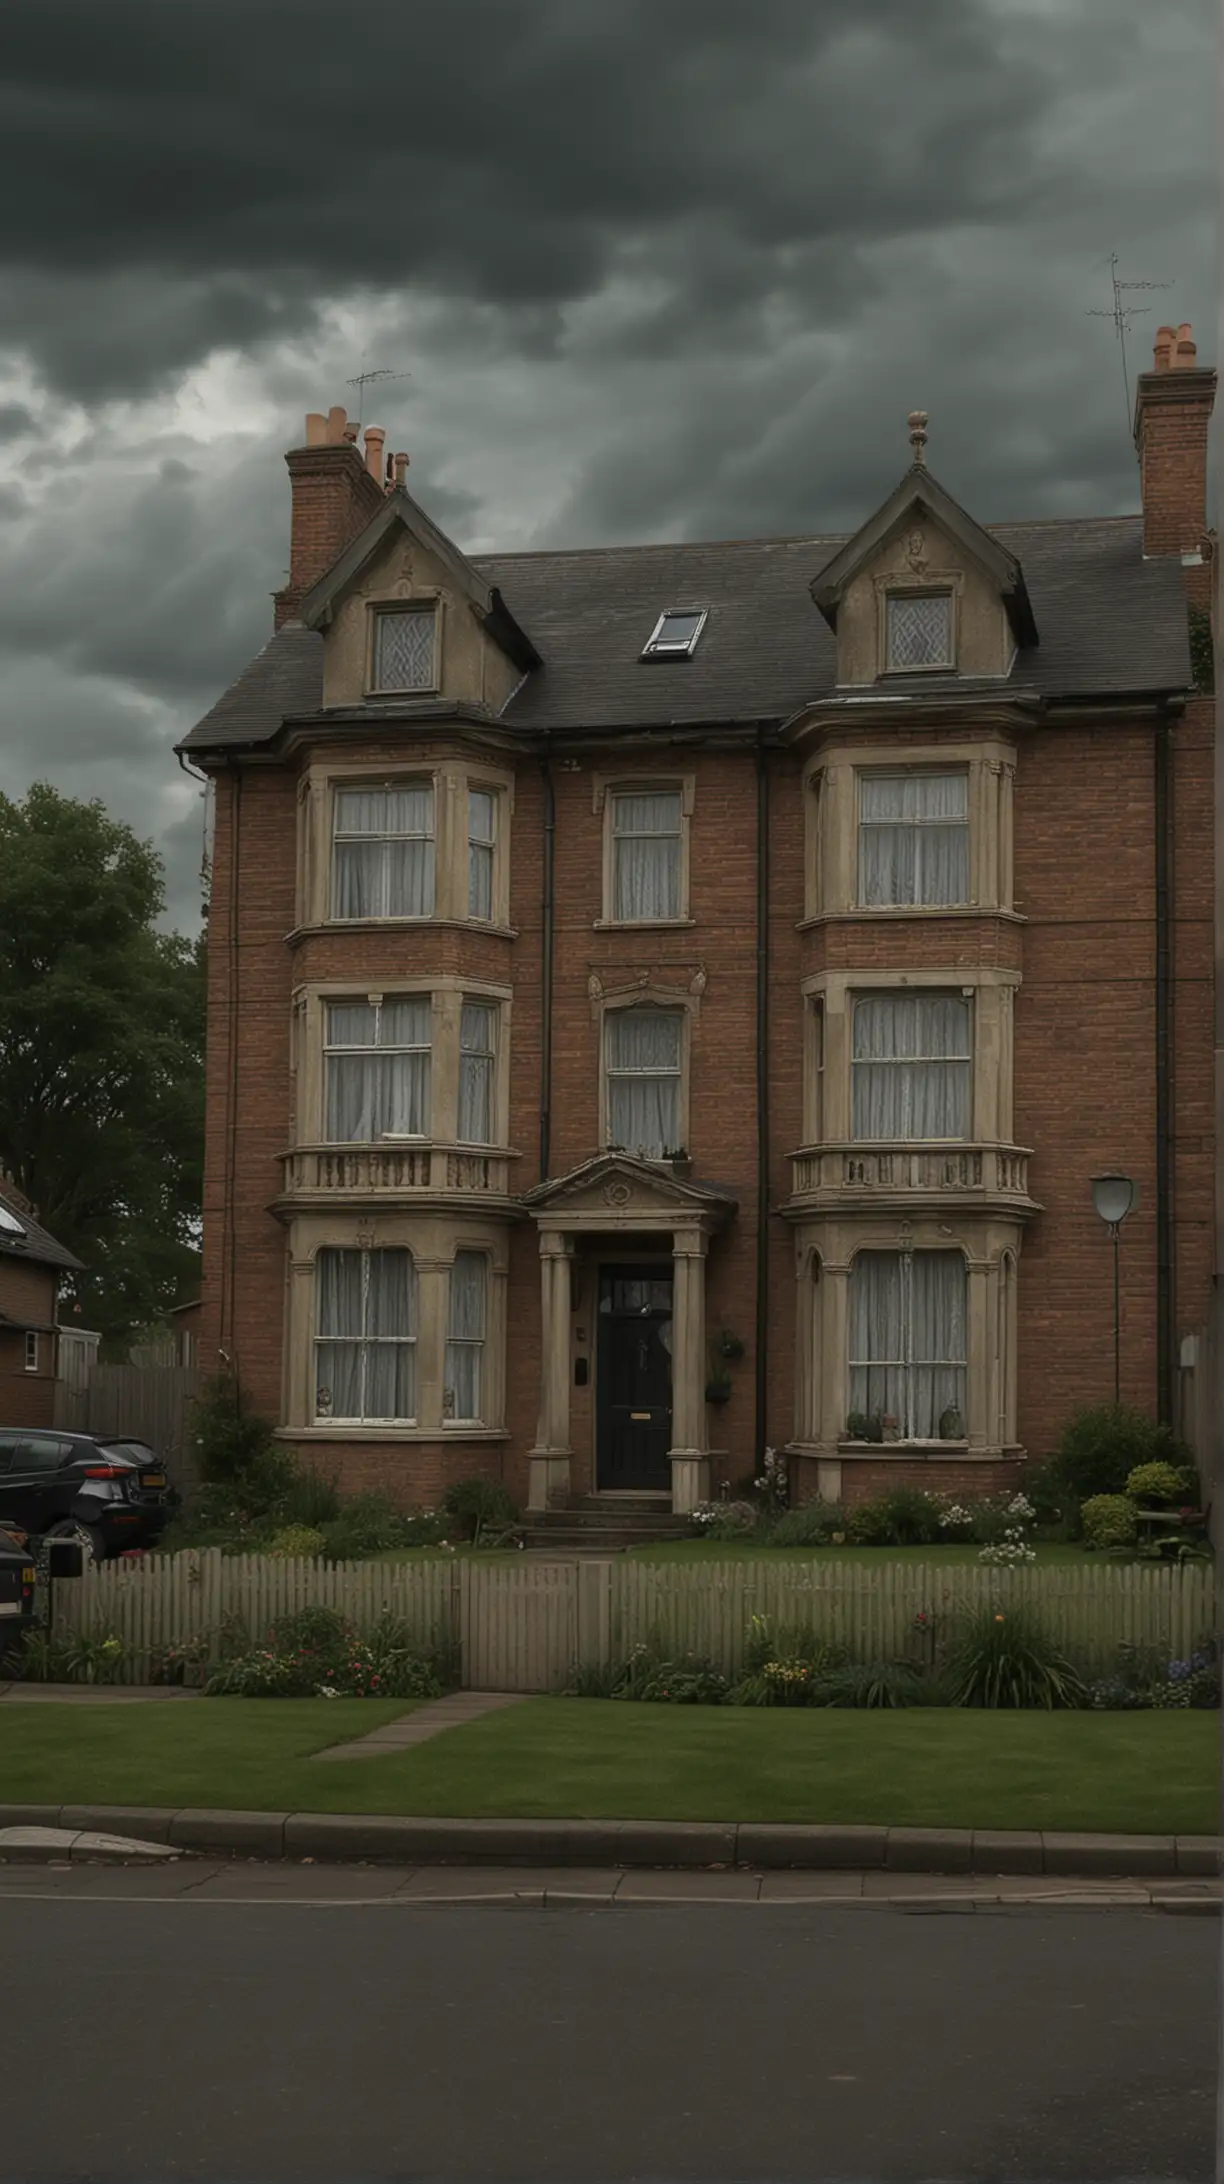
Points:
[(1122, 313), (364, 379)]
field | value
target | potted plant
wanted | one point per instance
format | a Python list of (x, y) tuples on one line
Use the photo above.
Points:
[(951, 1424), (891, 1430), (729, 1345), (857, 1425), (718, 1388), (875, 1427)]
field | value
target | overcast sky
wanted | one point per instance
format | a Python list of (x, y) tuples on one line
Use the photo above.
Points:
[(656, 269)]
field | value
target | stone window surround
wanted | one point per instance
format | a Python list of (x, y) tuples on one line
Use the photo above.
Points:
[(831, 830), (646, 992), (827, 1086), (450, 778), (424, 599), (433, 1239), (605, 787), (825, 1248), (947, 583), (447, 995)]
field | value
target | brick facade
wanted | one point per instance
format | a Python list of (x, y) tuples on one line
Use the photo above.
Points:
[(1078, 948)]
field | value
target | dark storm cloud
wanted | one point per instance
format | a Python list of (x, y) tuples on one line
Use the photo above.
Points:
[(194, 175)]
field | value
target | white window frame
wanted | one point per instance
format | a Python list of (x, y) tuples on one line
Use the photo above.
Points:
[(331, 1418), (913, 1061), (31, 1350), (606, 789), (660, 1006), (380, 608), (446, 996), (899, 772), (908, 1364), (378, 1002), (389, 788), (483, 847), (493, 1010)]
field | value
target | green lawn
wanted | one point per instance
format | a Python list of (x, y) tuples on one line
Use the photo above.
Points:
[(590, 1759)]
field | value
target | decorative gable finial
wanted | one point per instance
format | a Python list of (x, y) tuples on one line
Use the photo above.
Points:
[(918, 435)]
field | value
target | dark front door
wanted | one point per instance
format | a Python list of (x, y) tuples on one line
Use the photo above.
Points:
[(633, 1379)]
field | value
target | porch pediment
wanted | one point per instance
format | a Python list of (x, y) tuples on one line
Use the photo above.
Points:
[(616, 1190)]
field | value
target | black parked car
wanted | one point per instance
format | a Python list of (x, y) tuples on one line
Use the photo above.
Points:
[(106, 1495)]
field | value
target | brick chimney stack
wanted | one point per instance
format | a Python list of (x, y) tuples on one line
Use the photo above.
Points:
[(335, 493), (1172, 415)]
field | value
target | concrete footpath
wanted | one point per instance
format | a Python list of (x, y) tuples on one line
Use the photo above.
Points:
[(629, 1845)]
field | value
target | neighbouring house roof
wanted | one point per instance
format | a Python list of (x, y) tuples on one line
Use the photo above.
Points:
[(1112, 624), (20, 1325), (30, 1242)]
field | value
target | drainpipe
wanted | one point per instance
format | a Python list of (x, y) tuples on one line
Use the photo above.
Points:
[(547, 938), (229, 1257), (762, 1100), (1165, 1290)]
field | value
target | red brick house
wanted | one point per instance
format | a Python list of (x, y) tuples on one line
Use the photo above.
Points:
[(668, 1001), (32, 1266)]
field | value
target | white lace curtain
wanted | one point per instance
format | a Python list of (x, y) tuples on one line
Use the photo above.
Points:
[(911, 1066), (913, 838), (383, 853), (644, 1050), (465, 1336), (365, 1349), (908, 1341), (646, 855), (377, 1070), (476, 1074)]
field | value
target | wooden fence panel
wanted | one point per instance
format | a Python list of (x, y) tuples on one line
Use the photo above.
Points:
[(518, 1624), (150, 1402)]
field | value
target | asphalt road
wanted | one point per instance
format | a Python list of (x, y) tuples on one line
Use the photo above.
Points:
[(362, 2042)]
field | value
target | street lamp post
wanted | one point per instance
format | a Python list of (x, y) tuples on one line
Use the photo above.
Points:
[(1114, 1196)]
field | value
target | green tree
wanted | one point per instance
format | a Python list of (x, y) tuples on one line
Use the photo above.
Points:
[(101, 1056)]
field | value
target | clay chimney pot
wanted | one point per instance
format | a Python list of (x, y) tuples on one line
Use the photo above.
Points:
[(374, 439), (1165, 341), (337, 419), (401, 465), (316, 429)]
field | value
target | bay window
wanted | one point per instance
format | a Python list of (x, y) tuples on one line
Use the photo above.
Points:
[(365, 1341), (383, 852), (913, 838), (908, 1342), (477, 1020), (377, 1070), (465, 1338), (911, 1068), (482, 842)]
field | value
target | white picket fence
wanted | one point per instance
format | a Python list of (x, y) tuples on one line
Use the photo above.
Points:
[(521, 1625)]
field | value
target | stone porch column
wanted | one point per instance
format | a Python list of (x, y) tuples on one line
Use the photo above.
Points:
[(549, 1474), (689, 1454)]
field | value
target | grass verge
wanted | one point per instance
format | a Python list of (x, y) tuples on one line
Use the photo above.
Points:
[(590, 1759)]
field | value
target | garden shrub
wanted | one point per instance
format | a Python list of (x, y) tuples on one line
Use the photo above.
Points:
[(815, 1524), (296, 1541), (317, 1653), (1109, 1521), (649, 1676), (312, 1499), (724, 1519), (874, 1683), (1003, 1659), (783, 1666), (904, 1517), (370, 1524), (1161, 1485), (1101, 1447), (1144, 1676), (472, 1504)]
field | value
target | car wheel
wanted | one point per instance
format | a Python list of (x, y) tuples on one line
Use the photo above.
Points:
[(91, 1543)]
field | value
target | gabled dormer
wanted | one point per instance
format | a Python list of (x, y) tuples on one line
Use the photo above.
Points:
[(922, 591), (406, 618)]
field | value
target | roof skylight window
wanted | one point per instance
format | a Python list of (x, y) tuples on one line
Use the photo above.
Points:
[(675, 634)]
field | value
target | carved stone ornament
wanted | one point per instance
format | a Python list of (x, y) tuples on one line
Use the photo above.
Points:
[(697, 983), (595, 987), (365, 1235), (915, 550), (616, 1194)]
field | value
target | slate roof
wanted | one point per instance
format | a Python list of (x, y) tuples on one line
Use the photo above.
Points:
[(37, 1244), (1109, 623)]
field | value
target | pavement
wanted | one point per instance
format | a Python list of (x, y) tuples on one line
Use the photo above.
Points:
[(347, 2037)]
